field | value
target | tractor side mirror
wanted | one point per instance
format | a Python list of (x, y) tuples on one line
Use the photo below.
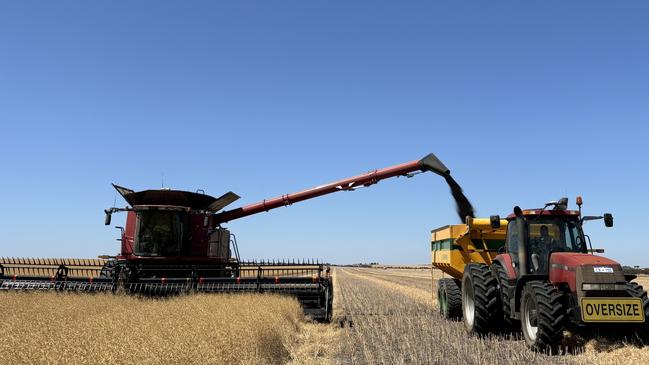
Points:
[(494, 220), (108, 216), (608, 219)]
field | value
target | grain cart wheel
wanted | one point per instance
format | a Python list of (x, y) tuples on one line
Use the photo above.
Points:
[(480, 303), (635, 290), (504, 289), (449, 299), (543, 316)]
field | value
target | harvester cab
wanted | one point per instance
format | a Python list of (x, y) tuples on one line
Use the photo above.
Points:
[(174, 224)]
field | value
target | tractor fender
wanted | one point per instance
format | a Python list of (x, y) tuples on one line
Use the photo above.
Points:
[(630, 277), (505, 260), (520, 284)]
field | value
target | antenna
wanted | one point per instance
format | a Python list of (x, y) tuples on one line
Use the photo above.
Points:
[(163, 180)]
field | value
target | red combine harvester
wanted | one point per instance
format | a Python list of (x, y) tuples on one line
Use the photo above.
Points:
[(175, 242)]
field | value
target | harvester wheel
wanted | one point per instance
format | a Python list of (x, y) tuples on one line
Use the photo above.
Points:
[(449, 298), (480, 302), (635, 290), (330, 302), (108, 270), (505, 288), (543, 316)]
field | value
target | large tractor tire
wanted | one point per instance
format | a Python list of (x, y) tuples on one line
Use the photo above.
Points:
[(480, 302), (505, 290), (635, 290), (449, 299), (543, 316)]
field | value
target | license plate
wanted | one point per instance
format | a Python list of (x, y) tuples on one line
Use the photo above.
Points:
[(612, 310), (603, 269)]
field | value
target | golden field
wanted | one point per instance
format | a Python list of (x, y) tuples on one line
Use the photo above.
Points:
[(50, 328), (381, 316)]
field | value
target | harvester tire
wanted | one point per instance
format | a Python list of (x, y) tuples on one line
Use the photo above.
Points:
[(449, 299), (480, 301), (543, 316), (636, 291), (108, 270), (330, 303), (505, 288)]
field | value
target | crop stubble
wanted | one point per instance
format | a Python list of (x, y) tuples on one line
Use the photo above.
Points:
[(395, 322)]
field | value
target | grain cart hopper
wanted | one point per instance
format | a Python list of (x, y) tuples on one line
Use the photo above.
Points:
[(176, 242), (535, 271)]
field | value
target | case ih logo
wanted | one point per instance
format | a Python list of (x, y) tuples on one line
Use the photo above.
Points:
[(603, 269)]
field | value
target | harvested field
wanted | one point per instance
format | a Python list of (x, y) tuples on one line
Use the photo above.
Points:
[(390, 318)]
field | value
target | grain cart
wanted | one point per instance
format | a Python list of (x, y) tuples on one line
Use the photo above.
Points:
[(176, 242), (536, 271)]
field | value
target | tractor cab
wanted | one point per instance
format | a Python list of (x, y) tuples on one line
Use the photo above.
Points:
[(534, 235), (532, 239)]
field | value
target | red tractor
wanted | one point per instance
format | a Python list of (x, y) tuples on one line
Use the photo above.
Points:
[(543, 279)]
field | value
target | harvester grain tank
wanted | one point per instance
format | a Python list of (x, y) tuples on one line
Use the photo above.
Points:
[(176, 242), (534, 271)]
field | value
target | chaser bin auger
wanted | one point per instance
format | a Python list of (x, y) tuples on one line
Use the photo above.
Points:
[(175, 242)]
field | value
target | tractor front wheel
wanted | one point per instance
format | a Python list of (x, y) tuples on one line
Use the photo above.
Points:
[(543, 316), (480, 300), (635, 290)]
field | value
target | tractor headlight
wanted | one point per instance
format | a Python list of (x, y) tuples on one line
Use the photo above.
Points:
[(601, 287)]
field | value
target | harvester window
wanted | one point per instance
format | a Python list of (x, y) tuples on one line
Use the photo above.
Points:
[(159, 233)]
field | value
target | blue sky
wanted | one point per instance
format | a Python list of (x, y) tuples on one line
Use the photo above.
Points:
[(524, 101)]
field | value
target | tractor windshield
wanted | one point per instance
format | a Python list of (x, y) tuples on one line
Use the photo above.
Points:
[(556, 234), (552, 234), (160, 233)]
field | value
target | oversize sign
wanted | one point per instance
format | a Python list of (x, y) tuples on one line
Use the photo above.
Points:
[(612, 310)]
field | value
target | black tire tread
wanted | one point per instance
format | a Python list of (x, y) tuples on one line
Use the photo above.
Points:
[(504, 287), (488, 309), (551, 315), (453, 298), (635, 290)]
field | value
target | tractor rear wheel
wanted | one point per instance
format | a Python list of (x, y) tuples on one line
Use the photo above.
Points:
[(449, 298), (505, 290), (543, 316), (480, 303)]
